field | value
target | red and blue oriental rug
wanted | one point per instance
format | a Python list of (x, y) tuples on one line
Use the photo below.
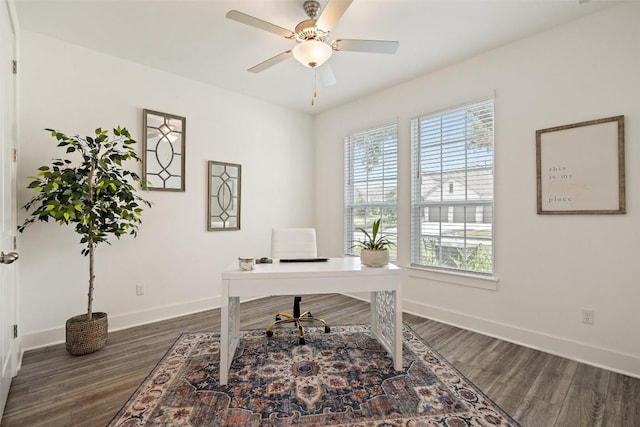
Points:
[(344, 378)]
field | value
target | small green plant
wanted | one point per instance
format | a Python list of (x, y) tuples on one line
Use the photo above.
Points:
[(373, 241)]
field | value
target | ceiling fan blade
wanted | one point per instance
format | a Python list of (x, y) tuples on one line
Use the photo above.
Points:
[(243, 18), (270, 62), (325, 72), (332, 12), (372, 46)]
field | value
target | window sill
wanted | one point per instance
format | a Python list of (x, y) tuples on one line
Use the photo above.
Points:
[(482, 282)]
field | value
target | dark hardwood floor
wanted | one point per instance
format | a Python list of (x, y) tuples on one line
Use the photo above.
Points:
[(537, 389)]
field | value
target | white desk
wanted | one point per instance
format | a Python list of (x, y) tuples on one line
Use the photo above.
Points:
[(334, 276)]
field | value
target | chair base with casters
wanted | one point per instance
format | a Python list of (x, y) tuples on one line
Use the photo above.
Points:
[(298, 319)]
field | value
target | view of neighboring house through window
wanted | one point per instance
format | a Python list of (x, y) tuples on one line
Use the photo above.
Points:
[(371, 185), (452, 189)]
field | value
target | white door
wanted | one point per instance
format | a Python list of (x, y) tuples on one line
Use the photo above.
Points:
[(8, 346)]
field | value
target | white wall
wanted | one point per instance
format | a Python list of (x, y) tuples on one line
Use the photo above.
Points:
[(76, 90), (548, 267)]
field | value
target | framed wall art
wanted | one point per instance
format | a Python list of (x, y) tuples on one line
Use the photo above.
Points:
[(580, 168), (223, 204), (164, 151)]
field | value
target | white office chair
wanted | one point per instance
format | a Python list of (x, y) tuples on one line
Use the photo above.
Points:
[(294, 243)]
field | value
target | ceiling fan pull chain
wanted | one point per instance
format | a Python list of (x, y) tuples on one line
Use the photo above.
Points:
[(313, 88), (315, 93)]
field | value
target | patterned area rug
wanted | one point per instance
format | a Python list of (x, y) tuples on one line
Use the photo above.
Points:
[(343, 378)]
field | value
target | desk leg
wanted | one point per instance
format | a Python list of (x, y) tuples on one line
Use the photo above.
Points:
[(229, 331), (386, 323)]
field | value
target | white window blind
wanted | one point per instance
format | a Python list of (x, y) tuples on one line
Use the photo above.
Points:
[(371, 185), (452, 189)]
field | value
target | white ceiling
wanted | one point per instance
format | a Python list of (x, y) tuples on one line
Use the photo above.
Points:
[(195, 40)]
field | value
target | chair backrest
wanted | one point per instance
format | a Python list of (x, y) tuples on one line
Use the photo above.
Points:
[(293, 243)]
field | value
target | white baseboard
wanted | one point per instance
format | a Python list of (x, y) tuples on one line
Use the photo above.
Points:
[(610, 360), (122, 321)]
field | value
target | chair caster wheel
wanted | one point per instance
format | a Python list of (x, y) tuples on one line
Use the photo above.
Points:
[(269, 333), (327, 329), (302, 341)]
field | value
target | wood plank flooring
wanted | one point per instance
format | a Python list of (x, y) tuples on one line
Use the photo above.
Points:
[(55, 389)]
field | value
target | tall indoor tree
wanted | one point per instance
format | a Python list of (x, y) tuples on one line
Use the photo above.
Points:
[(93, 192)]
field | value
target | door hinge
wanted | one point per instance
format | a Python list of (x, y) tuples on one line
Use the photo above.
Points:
[(14, 154), (15, 331), (15, 67), (15, 243)]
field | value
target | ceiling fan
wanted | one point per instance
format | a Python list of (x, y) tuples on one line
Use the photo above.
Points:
[(314, 46)]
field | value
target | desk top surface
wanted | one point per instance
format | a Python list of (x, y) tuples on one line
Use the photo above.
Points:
[(332, 267)]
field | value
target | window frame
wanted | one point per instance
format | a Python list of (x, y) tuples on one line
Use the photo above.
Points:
[(471, 249), (386, 208)]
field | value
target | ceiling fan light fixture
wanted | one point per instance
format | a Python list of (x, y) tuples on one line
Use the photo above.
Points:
[(312, 53)]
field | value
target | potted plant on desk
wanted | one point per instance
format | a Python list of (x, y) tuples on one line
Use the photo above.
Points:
[(97, 196), (374, 249)]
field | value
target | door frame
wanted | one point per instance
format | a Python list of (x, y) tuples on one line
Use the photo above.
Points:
[(9, 111)]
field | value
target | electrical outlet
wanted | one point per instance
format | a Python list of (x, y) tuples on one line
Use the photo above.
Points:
[(588, 317), (139, 289)]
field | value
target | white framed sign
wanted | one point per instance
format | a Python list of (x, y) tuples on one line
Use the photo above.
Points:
[(580, 168)]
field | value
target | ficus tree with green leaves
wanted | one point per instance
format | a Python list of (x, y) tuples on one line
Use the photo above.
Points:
[(96, 194)]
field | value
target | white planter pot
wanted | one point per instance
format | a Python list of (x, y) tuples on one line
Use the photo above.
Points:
[(372, 258)]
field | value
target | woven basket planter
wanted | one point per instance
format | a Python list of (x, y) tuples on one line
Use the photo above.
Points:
[(86, 336), (374, 258)]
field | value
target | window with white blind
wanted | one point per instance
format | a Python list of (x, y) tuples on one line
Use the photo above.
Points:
[(371, 185), (452, 189)]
